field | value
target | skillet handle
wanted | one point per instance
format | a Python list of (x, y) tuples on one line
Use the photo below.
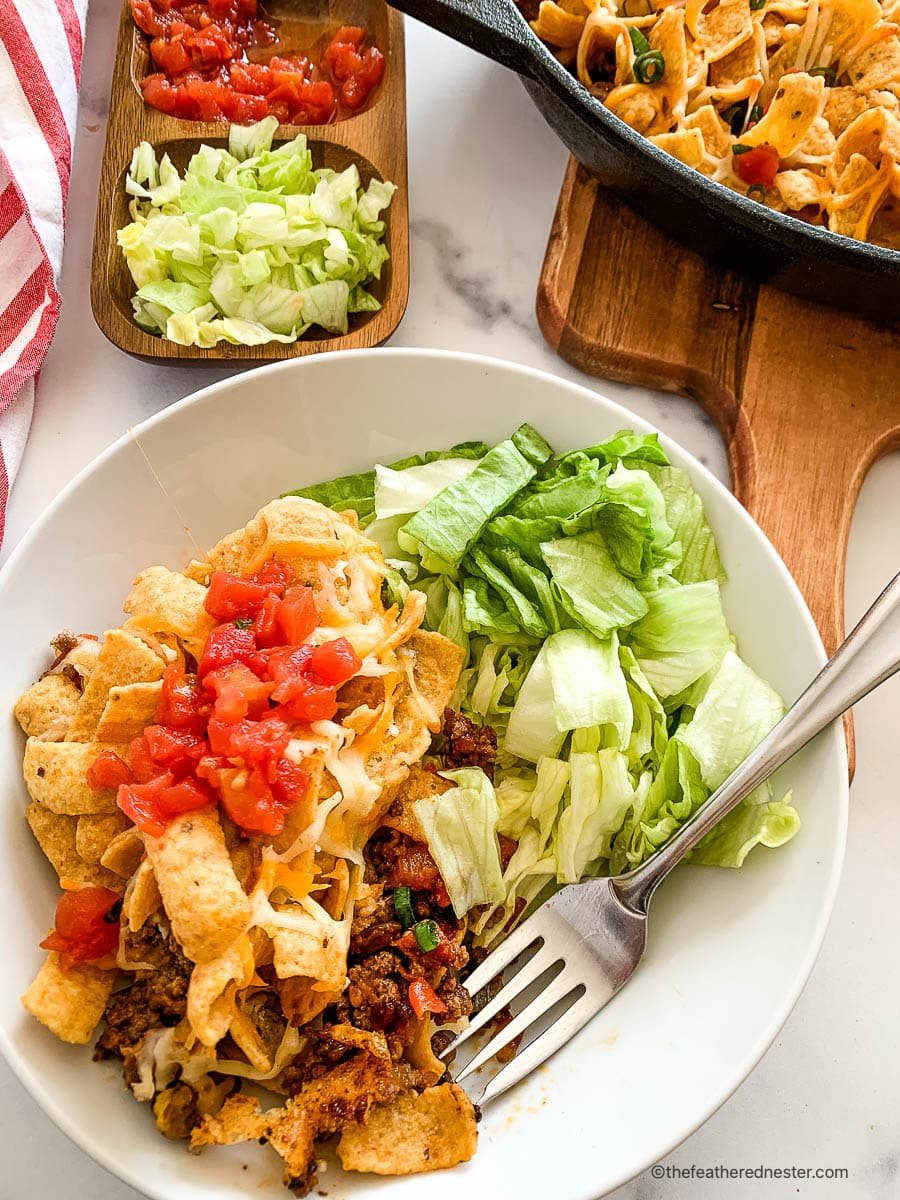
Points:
[(492, 27)]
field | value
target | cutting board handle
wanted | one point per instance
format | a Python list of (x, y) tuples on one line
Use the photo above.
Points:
[(801, 443)]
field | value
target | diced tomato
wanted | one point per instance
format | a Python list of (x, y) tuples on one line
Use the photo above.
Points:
[(219, 733), (147, 18), (358, 71), (205, 97), (239, 693), (208, 768), (151, 806), (343, 48), (335, 662), (279, 110), (424, 999), (171, 56), (248, 800), (140, 802), (265, 627), (230, 597), (185, 796), (143, 768), (444, 952), (108, 771), (310, 102), (254, 743), (175, 750), (181, 704), (226, 645), (297, 616), (274, 576), (210, 46), (246, 109), (160, 94), (356, 90), (757, 166), (290, 783), (257, 743), (288, 662), (252, 79), (202, 50), (86, 926), (304, 699), (414, 867)]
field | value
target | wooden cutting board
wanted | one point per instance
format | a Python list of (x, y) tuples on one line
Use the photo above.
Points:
[(805, 397)]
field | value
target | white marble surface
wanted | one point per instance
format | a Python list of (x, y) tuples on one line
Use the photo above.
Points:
[(484, 177)]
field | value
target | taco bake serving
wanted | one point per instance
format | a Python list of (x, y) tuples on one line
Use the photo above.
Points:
[(318, 770)]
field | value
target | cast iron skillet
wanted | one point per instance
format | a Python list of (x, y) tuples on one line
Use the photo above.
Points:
[(723, 225)]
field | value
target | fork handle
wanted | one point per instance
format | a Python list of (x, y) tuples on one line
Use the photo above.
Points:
[(869, 656)]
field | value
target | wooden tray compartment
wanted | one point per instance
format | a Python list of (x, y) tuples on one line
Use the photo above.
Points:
[(374, 139)]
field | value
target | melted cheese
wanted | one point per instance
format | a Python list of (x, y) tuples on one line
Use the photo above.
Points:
[(807, 40)]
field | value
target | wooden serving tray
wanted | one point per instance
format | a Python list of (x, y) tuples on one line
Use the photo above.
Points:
[(805, 397), (375, 140)]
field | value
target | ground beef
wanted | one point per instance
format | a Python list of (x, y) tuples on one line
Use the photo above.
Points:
[(375, 925), (396, 860), (468, 744), (319, 1056), (264, 1009), (377, 992), (508, 847), (457, 999), (158, 997)]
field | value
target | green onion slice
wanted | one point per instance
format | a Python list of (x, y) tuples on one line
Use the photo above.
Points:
[(828, 74), (733, 116), (756, 5), (403, 906), (756, 191), (426, 934), (638, 41), (649, 67)]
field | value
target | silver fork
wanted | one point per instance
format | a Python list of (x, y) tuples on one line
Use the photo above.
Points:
[(594, 961)]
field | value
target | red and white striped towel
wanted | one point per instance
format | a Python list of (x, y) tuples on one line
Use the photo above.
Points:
[(40, 67)]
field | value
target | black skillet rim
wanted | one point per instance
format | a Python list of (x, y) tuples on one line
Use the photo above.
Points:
[(753, 218)]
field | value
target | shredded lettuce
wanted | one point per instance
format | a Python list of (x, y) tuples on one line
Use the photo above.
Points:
[(448, 525), (585, 590), (461, 828), (591, 588), (589, 686), (733, 717), (602, 792), (532, 732), (358, 491), (771, 824), (682, 635), (250, 244), (402, 493)]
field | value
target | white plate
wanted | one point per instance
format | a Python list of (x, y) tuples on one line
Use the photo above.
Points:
[(728, 951)]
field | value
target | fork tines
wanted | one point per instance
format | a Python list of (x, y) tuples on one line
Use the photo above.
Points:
[(574, 989)]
